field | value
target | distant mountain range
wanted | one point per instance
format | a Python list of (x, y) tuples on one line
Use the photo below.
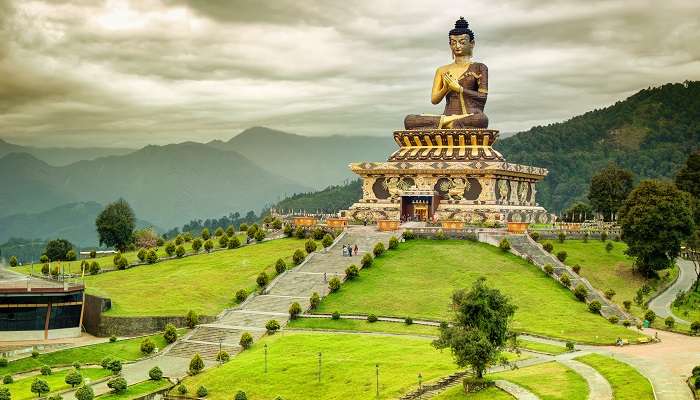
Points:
[(651, 133), (60, 156)]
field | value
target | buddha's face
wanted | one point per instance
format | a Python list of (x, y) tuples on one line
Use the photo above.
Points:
[(460, 45)]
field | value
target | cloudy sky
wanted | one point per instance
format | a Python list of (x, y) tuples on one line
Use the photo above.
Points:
[(120, 73)]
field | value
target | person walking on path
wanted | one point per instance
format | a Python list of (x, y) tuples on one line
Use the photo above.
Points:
[(325, 278), (355, 248), (349, 251), (345, 250)]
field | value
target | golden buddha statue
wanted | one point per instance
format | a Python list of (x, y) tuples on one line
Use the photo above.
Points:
[(463, 84)]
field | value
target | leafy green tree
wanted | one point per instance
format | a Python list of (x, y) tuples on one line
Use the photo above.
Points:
[(196, 364), (223, 241), (259, 235), (13, 261), (74, 378), (608, 190), (196, 245), (5, 394), (208, 245), (655, 219), (57, 249), (480, 327), (180, 251), (219, 232), (39, 386), (85, 392), (116, 224), (230, 231), (688, 177), (205, 234), (71, 256), (170, 249)]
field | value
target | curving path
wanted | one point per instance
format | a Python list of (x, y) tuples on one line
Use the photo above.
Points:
[(516, 391), (599, 387), (661, 304)]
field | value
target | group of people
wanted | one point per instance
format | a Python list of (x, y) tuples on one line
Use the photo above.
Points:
[(349, 250)]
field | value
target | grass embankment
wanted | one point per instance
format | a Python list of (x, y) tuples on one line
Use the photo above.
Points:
[(611, 270), (457, 393), (626, 382), (418, 279), (137, 390), (348, 367), (107, 262), (690, 309), (21, 388), (125, 350), (205, 283), (549, 381)]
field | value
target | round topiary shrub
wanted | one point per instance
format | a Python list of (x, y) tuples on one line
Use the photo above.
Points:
[(603, 236), (569, 346), (627, 304), (314, 301), (335, 315), (352, 272), (294, 310), (241, 295), (259, 235), (408, 235), (85, 392), (298, 256), (105, 362), (262, 279), (208, 246), (182, 389), (35, 352), (565, 280), (115, 366), (196, 245), (393, 243), (609, 294), (141, 255), (310, 246), (191, 319), (117, 384), (561, 256), (378, 249), (408, 321), (504, 245), (94, 268), (7, 379), (300, 232), (626, 323), (205, 234), (695, 327), (372, 318), (147, 346), (240, 395), (45, 370), (548, 269), (155, 374), (152, 257), (170, 333), (581, 292), (234, 243), (650, 316), (223, 242), (561, 237), (179, 240), (548, 247), (534, 235), (197, 364), (577, 268), (180, 252), (246, 340), (669, 322), (123, 263), (594, 307), (334, 284), (202, 392), (614, 319), (3, 362), (222, 356), (367, 260), (280, 266), (327, 241), (272, 326)]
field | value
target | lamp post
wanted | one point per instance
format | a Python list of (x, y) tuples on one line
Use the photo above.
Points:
[(265, 357), (377, 369), (319, 367), (420, 386)]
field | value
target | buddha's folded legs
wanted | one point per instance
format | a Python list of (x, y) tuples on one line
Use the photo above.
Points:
[(476, 120)]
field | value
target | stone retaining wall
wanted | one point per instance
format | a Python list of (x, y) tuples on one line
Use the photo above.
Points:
[(98, 324)]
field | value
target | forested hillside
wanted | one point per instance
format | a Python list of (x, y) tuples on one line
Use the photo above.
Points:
[(328, 200), (650, 133)]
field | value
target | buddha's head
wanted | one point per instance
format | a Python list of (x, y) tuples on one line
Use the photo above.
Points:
[(461, 39)]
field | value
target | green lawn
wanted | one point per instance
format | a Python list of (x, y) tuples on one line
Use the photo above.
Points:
[(359, 325), (457, 393), (126, 350), (541, 347), (205, 283), (137, 390), (627, 383), (418, 280), (348, 367), (549, 381), (611, 270), (21, 388)]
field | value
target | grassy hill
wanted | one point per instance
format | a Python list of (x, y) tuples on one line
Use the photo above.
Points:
[(418, 279), (650, 133)]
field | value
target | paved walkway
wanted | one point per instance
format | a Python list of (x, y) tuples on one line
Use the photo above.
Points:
[(661, 305), (599, 386), (516, 391)]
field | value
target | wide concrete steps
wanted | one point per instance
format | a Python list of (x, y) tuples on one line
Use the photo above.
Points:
[(208, 351)]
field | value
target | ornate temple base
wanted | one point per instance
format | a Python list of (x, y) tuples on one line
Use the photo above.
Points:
[(448, 175)]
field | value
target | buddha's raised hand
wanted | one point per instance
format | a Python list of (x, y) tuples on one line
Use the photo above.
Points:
[(451, 82)]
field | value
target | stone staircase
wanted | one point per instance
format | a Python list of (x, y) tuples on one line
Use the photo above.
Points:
[(431, 390), (525, 247), (296, 285)]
